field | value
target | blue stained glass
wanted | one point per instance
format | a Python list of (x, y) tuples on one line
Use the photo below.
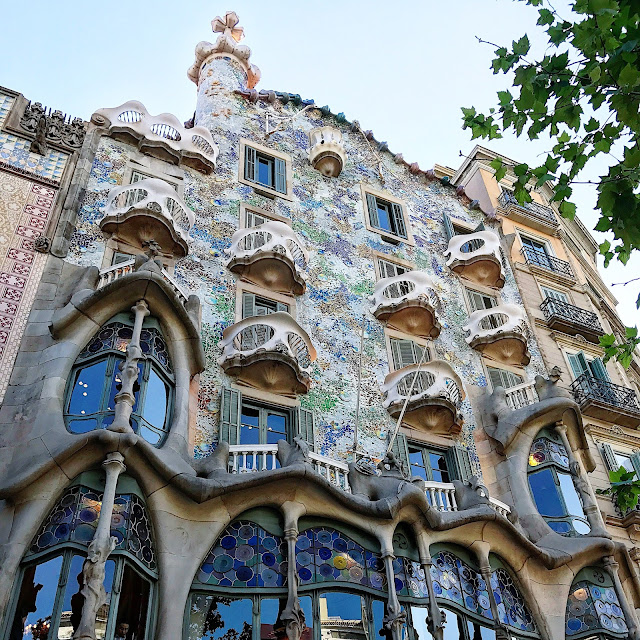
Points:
[(512, 609), (591, 608)]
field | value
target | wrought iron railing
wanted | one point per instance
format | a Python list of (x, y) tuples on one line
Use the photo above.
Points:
[(544, 260), (554, 307), (507, 198), (587, 387)]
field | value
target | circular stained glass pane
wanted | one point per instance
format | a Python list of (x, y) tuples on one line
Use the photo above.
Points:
[(246, 531), (84, 533), (356, 573), (323, 537), (573, 624), (45, 540), (305, 574), (324, 553), (326, 570), (269, 543), (62, 531), (303, 543), (117, 520), (223, 563), (483, 601), (356, 556), (244, 552), (228, 542), (269, 577), (268, 559), (303, 558), (134, 544), (377, 580), (244, 573), (339, 544), (340, 562)]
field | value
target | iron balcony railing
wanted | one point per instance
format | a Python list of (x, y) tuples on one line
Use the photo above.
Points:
[(588, 388), (551, 263), (507, 198), (570, 313)]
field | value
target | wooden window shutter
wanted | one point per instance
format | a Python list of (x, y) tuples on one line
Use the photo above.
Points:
[(458, 463), (401, 451), (635, 461), (230, 411), (248, 305), (495, 375), (281, 306), (598, 369), (578, 364), (306, 427), (399, 227), (372, 206), (480, 227), (609, 457), (448, 226), (281, 175), (250, 164), (480, 301)]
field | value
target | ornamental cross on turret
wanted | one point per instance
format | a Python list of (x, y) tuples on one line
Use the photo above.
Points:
[(228, 25)]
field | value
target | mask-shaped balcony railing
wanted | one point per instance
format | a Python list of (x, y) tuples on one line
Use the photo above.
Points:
[(163, 136), (435, 398), (407, 302), (270, 255), (500, 333), (530, 211), (571, 319), (602, 398), (150, 208), (550, 263), (272, 353), (326, 152), (476, 256)]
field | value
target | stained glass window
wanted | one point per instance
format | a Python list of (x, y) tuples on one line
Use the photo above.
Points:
[(245, 556), (95, 381), (512, 609), (75, 518), (594, 607)]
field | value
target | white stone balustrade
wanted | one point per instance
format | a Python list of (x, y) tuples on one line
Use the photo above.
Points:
[(521, 395), (326, 153), (407, 302), (435, 398), (269, 352), (163, 135), (149, 207), (334, 471), (476, 256), (270, 255), (500, 333), (245, 458)]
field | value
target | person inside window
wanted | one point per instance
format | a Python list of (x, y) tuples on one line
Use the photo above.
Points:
[(122, 631)]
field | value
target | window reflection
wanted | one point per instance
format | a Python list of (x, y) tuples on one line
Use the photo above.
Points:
[(272, 628), (219, 618), (476, 632), (132, 606), (454, 627), (341, 617)]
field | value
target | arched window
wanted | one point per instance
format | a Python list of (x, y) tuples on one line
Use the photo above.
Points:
[(512, 608), (593, 608), (552, 486), (95, 381), (47, 602)]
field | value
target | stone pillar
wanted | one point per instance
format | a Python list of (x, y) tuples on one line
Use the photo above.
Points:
[(436, 619), (583, 487), (93, 569), (126, 398), (482, 554), (395, 617), (611, 567)]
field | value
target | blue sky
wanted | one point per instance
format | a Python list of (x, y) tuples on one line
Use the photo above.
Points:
[(402, 69)]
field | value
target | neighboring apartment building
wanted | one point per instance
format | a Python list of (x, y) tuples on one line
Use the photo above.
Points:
[(246, 364)]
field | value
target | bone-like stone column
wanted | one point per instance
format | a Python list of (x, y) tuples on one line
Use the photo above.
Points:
[(93, 569), (395, 617), (583, 487), (611, 567), (436, 619), (482, 554), (126, 398)]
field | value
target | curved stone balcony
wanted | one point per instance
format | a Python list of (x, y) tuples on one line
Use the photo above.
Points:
[(476, 256), (162, 136), (500, 333), (327, 153), (434, 400), (407, 302), (149, 209), (270, 255), (272, 353)]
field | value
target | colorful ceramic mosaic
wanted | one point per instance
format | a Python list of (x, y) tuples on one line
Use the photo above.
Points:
[(591, 607), (75, 518), (15, 151), (245, 556), (512, 609), (6, 103)]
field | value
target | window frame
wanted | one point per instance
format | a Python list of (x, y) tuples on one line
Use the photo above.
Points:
[(470, 291), (426, 450), (380, 258), (385, 196), (246, 209), (544, 288), (507, 370), (247, 287), (264, 408), (268, 191), (393, 334)]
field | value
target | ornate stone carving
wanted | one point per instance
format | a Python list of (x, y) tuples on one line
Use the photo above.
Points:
[(53, 127), (42, 244), (326, 153), (295, 453), (471, 493)]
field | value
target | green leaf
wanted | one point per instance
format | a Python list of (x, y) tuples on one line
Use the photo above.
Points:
[(546, 17), (499, 167), (629, 76), (631, 332), (568, 209), (521, 47)]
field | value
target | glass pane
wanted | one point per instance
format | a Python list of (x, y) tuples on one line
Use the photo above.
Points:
[(419, 617), (270, 625), (264, 171), (545, 493), (438, 467), (83, 426), (476, 632), (88, 384), (73, 600), (377, 614), (276, 428), (35, 603), (214, 617), (570, 495), (305, 603), (623, 461), (250, 426), (454, 627), (384, 221), (131, 620), (416, 461), (155, 404), (337, 607)]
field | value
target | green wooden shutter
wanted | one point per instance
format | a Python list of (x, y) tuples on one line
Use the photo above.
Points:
[(372, 206), (635, 461), (458, 463), (250, 164), (480, 227), (401, 451), (230, 412), (609, 457), (578, 364), (480, 301), (598, 369), (248, 305), (449, 231), (281, 176), (281, 306), (398, 220), (555, 295), (306, 427)]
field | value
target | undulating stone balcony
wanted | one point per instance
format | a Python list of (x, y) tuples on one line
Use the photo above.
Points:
[(327, 153), (604, 400), (570, 319), (533, 214), (272, 353), (476, 257), (149, 209), (408, 303), (162, 136), (252, 458), (434, 393), (500, 333), (548, 263), (270, 255)]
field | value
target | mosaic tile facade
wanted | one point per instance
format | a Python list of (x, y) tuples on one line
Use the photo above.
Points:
[(328, 215)]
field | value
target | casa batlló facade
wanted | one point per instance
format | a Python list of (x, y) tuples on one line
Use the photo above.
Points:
[(263, 378)]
